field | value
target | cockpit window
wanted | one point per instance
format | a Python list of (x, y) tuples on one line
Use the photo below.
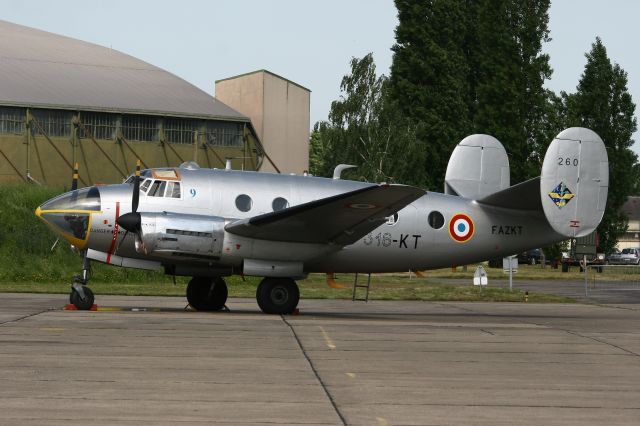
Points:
[(145, 185), (173, 190), (157, 188), (75, 224), (161, 188), (80, 199), (154, 188), (143, 174)]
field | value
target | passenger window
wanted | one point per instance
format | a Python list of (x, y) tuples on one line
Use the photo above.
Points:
[(243, 202), (436, 220), (279, 204), (392, 220)]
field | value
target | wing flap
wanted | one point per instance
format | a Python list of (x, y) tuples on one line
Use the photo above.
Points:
[(341, 219)]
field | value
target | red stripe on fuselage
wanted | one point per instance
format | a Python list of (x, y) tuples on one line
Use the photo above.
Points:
[(114, 238)]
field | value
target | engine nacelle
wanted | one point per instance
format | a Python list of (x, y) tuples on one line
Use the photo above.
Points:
[(181, 235)]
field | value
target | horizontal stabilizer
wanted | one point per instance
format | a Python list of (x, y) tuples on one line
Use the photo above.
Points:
[(341, 219), (523, 196)]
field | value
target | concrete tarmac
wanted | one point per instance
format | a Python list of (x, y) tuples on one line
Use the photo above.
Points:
[(338, 362)]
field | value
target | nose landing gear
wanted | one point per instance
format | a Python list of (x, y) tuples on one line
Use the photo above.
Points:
[(81, 296)]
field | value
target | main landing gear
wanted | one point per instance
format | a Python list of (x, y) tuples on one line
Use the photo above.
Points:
[(81, 296), (207, 294), (278, 296)]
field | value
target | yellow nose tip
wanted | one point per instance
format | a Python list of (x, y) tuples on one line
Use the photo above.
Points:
[(39, 212)]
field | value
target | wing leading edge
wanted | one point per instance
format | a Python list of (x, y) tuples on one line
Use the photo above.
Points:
[(341, 219)]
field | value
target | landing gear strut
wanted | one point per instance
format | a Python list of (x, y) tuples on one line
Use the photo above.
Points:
[(278, 296), (207, 294), (82, 296)]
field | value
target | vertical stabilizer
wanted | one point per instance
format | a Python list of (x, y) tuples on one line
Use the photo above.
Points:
[(478, 167), (574, 182)]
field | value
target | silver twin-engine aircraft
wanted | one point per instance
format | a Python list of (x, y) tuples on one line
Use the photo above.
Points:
[(210, 223)]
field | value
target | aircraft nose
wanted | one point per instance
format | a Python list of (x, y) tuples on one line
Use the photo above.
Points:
[(69, 214), (85, 199)]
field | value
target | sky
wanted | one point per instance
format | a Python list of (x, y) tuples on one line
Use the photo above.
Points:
[(310, 43)]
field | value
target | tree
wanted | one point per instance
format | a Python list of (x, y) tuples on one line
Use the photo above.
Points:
[(603, 104), (358, 131), (429, 80), (351, 135), (511, 102), (635, 190), (474, 66)]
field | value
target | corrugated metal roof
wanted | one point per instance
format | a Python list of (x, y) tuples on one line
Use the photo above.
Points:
[(42, 69)]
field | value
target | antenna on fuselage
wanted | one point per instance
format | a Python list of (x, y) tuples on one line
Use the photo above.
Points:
[(340, 168)]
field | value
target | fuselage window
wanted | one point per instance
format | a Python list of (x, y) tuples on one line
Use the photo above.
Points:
[(436, 220), (279, 204), (243, 202), (392, 220), (145, 185)]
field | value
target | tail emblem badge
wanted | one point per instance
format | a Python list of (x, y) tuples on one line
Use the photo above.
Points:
[(561, 195)]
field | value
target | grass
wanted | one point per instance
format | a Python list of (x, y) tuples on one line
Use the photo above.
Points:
[(383, 287), (537, 272)]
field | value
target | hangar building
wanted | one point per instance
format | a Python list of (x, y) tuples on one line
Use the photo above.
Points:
[(279, 111), (64, 101)]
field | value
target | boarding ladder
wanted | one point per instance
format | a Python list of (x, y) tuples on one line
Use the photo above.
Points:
[(357, 286)]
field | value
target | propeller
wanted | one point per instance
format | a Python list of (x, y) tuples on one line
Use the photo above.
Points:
[(131, 222), (74, 178)]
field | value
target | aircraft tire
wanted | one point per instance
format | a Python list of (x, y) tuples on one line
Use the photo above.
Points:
[(83, 305), (278, 296), (207, 294)]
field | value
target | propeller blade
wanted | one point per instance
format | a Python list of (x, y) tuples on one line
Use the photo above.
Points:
[(120, 242), (132, 221), (136, 189), (74, 179)]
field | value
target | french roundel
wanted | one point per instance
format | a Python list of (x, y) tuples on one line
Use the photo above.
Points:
[(461, 228)]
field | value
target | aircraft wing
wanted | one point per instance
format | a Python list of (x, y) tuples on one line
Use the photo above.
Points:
[(341, 219)]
